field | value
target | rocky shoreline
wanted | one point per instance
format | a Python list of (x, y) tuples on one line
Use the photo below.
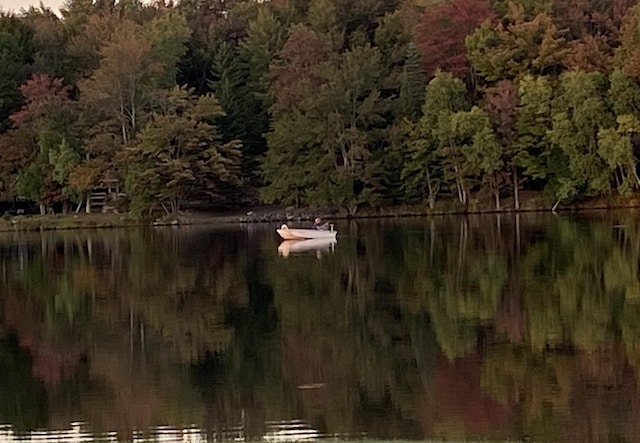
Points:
[(286, 215)]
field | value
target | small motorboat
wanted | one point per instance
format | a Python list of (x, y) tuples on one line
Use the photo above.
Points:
[(316, 244), (288, 233)]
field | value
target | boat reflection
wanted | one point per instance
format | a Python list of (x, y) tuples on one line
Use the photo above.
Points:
[(290, 431), (275, 432), (319, 245), (80, 433)]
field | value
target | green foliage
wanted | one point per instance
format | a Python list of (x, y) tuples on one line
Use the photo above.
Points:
[(529, 8), (31, 181), (244, 117), (322, 17), (290, 169), (393, 37), (339, 130), (16, 52), (179, 154), (265, 38), (580, 113), (412, 85), (49, 41), (624, 94), (533, 121), (521, 47), (616, 149), (445, 96), (121, 85), (422, 171), (626, 55), (63, 159), (475, 136), (168, 34), (328, 100)]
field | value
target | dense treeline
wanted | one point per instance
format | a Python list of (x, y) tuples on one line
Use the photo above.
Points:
[(320, 102)]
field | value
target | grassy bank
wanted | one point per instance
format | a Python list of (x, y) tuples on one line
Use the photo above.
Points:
[(25, 223), (70, 221)]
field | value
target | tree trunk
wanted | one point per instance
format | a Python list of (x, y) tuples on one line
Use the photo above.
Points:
[(462, 247), (87, 208), (496, 191), (462, 193), (516, 190), (43, 209), (518, 235), (432, 196), (133, 112), (123, 123), (619, 176)]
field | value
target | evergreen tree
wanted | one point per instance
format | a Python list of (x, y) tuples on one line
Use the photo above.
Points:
[(16, 54), (412, 85)]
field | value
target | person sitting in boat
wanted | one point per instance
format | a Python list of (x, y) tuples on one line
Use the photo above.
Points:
[(319, 225)]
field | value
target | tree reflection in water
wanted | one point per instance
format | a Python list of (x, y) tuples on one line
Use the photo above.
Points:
[(492, 327)]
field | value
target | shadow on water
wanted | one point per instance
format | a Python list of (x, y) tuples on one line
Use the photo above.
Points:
[(499, 328)]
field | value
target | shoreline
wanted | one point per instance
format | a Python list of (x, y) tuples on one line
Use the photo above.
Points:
[(280, 214)]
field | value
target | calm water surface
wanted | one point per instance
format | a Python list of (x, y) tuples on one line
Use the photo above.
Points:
[(484, 328)]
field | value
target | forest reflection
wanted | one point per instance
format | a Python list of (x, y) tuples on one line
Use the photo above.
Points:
[(488, 327)]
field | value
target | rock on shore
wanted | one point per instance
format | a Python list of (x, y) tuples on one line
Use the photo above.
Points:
[(283, 215)]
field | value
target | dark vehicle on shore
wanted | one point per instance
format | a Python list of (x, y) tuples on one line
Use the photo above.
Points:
[(18, 206)]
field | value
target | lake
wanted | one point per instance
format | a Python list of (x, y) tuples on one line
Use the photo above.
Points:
[(500, 328)]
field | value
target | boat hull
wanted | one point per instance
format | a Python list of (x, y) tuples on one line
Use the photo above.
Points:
[(304, 234), (295, 246)]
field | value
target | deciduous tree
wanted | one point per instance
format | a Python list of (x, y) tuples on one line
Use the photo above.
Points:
[(533, 152), (48, 116), (441, 34), (501, 104), (580, 112), (435, 160), (125, 77), (179, 154), (517, 48), (481, 154)]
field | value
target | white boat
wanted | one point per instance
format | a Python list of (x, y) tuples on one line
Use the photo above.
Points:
[(315, 244), (288, 233)]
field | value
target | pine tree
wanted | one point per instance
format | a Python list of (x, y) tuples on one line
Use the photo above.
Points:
[(412, 86)]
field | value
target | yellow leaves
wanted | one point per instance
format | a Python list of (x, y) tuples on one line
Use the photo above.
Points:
[(83, 177), (628, 123), (207, 108), (521, 47), (627, 56)]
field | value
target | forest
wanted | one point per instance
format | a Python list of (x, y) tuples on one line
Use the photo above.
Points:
[(349, 104)]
